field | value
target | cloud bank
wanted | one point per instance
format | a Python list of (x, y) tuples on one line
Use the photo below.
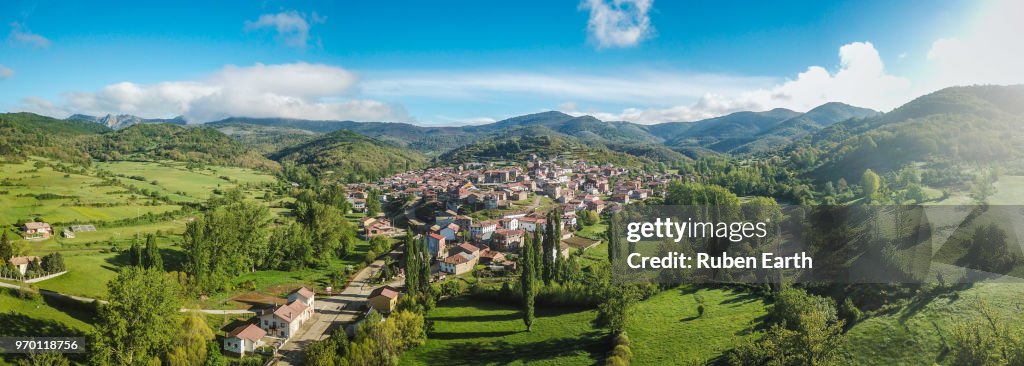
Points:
[(618, 23), (299, 90)]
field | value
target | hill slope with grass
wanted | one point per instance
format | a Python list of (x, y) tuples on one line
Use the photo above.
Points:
[(172, 142), (351, 157)]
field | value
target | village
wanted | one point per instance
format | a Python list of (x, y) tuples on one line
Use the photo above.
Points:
[(470, 217)]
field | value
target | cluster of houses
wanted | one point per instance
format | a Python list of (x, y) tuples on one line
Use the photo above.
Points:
[(274, 325), (459, 243)]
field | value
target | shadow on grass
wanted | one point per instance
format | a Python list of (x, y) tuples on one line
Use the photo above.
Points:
[(16, 325), (502, 352), (482, 318), (919, 302), (471, 335), (86, 312)]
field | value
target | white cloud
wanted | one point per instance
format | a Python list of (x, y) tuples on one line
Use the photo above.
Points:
[(300, 90), (618, 23), (5, 72), (988, 52), (21, 35), (291, 27), (860, 80)]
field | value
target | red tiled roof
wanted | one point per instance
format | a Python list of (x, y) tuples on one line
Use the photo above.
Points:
[(17, 261), (248, 332), (304, 292), (437, 236), (386, 291), (36, 225)]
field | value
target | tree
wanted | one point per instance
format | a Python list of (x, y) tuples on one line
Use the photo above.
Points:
[(372, 204), (550, 244), (612, 236), (527, 278), (412, 265), (613, 312), (152, 257), (53, 262), (191, 341), (140, 320), (870, 182), (6, 247), (136, 254)]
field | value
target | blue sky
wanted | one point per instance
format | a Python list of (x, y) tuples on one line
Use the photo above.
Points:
[(472, 62)]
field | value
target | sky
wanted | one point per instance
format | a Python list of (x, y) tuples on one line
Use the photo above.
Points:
[(472, 62)]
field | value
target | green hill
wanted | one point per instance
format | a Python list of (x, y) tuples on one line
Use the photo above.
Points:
[(23, 134), (518, 145), (173, 142), (351, 157), (959, 126)]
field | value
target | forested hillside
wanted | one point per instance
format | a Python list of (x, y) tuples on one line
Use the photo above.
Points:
[(351, 157), (172, 142), (23, 134), (961, 126)]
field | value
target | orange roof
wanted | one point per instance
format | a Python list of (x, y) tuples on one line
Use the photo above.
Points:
[(248, 332)]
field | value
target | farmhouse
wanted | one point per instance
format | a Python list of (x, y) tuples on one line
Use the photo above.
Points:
[(285, 320), (22, 263), (305, 295), (383, 299), (459, 263), (37, 230), (245, 338)]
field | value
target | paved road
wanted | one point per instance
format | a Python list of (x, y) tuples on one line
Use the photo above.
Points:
[(334, 312)]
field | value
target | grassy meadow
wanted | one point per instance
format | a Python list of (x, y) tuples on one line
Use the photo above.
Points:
[(472, 332), (666, 329)]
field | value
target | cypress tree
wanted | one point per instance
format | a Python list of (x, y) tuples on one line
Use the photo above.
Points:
[(527, 279), (6, 248), (152, 258), (549, 249), (612, 235), (412, 264)]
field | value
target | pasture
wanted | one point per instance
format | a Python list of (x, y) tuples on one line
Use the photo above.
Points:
[(473, 332)]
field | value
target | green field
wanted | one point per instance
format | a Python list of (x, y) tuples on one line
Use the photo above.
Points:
[(915, 335), (470, 332), (84, 198), (39, 317), (666, 330), (180, 184)]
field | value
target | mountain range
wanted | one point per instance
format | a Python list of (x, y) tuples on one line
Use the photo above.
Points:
[(961, 124)]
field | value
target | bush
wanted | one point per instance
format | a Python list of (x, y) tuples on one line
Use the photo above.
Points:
[(616, 361), (622, 351)]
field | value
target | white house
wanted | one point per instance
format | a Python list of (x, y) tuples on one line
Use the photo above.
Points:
[(305, 295), (285, 320), (245, 338), (21, 263)]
